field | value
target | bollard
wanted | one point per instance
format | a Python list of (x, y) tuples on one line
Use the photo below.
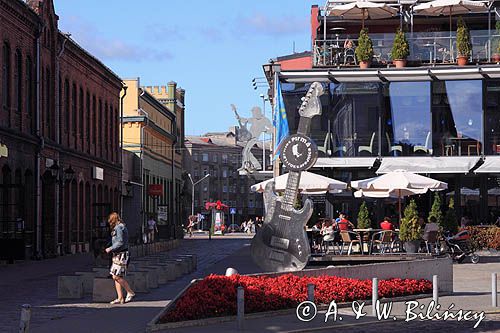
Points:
[(24, 324), (231, 271), (494, 290), (435, 290), (240, 301), (310, 292), (374, 295)]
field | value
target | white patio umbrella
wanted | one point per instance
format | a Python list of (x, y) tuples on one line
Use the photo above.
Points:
[(361, 10), (398, 184), (310, 183), (450, 7)]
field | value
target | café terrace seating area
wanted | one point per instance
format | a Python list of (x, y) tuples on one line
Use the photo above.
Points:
[(430, 29)]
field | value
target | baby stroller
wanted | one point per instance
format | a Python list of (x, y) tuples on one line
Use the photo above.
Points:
[(458, 247)]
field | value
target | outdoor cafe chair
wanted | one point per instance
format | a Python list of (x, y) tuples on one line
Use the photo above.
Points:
[(328, 239), (382, 240), (351, 238), (431, 240)]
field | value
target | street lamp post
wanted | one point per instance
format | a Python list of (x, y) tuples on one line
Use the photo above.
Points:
[(264, 99), (193, 184)]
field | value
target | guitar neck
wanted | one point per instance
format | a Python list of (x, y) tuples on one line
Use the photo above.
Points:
[(292, 188), (304, 126)]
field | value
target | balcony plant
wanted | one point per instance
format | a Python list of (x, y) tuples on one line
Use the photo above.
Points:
[(410, 229), (364, 51), (464, 47), (496, 44), (436, 210), (400, 49)]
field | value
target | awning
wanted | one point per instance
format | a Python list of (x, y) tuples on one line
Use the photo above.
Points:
[(491, 165), (427, 164), (345, 162)]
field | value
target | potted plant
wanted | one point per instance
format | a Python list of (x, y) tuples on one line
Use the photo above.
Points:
[(400, 49), (496, 44), (410, 230), (436, 210), (364, 221), (464, 47), (450, 222), (364, 51)]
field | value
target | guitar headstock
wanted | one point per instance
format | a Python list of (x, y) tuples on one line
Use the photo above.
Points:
[(311, 104), (233, 107)]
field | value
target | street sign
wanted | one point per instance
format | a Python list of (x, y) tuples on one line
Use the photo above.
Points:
[(155, 190), (232, 211)]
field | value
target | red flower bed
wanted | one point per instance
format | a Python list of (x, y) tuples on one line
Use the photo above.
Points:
[(215, 295)]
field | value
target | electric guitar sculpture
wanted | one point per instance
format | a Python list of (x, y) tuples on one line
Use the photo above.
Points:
[(281, 244), (243, 133)]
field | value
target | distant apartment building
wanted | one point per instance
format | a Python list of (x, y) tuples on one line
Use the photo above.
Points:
[(219, 155), (151, 132)]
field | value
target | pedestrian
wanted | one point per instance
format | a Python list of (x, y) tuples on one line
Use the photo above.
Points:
[(243, 227), (120, 258), (386, 224), (151, 229), (191, 223)]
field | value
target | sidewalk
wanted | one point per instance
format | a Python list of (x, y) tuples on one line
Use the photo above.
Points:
[(36, 283)]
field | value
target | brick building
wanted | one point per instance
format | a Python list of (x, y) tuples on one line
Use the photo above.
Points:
[(59, 124)]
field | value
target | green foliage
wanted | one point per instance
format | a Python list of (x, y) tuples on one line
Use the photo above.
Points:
[(436, 210), (364, 221), (400, 48), (450, 222), (497, 39), (464, 46), (410, 230), (364, 51), (484, 238)]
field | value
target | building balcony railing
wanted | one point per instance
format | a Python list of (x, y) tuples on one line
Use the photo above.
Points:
[(426, 48)]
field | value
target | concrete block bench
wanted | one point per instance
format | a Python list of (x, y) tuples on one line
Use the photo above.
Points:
[(182, 267), (103, 290), (138, 281), (88, 281), (69, 287), (167, 272)]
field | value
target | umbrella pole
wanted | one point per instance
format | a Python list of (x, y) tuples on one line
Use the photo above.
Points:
[(363, 20), (451, 43), (399, 205)]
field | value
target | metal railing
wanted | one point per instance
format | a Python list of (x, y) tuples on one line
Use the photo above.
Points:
[(437, 47)]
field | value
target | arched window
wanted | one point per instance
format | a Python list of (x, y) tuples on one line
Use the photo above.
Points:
[(66, 105), (74, 109), (47, 97), (6, 77), (106, 128), (99, 128), (88, 116), (18, 83), (29, 90), (94, 121), (81, 110)]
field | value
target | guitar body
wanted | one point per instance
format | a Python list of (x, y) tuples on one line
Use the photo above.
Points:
[(281, 245), (243, 133)]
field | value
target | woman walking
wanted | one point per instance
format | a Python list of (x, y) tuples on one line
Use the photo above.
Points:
[(121, 257)]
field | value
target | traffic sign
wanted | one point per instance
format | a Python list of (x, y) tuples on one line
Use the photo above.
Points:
[(232, 211)]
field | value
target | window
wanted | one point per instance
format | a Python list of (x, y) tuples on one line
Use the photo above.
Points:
[(407, 124), (74, 109), (457, 108), (29, 88), (6, 77), (224, 188), (195, 156), (224, 173), (205, 157), (250, 203), (93, 127), (214, 157), (224, 158), (242, 189), (66, 105), (106, 126), (195, 173), (205, 188), (492, 119), (205, 171), (99, 128), (81, 102), (48, 97), (88, 120), (18, 84)]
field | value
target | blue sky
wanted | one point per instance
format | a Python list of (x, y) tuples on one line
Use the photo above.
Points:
[(212, 49)]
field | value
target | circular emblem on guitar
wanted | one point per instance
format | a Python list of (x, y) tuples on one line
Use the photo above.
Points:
[(299, 152)]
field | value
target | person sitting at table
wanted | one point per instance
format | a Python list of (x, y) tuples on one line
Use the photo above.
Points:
[(421, 221), (348, 43), (386, 224), (344, 224)]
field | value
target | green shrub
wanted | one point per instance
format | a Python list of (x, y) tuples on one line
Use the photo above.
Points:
[(364, 51), (497, 39), (464, 46), (364, 221), (436, 210), (484, 238), (410, 229), (450, 222), (400, 48)]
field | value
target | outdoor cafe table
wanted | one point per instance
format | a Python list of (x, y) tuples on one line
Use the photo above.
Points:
[(368, 232)]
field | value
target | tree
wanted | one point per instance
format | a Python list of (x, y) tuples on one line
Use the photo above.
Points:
[(364, 221), (436, 211), (400, 47), (410, 230), (464, 46), (450, 222), (364, 51)]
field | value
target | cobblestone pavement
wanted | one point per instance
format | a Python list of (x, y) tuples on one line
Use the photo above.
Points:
[(35, 283)]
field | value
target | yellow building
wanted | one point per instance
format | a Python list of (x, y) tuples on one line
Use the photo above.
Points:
[(150, 130)]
